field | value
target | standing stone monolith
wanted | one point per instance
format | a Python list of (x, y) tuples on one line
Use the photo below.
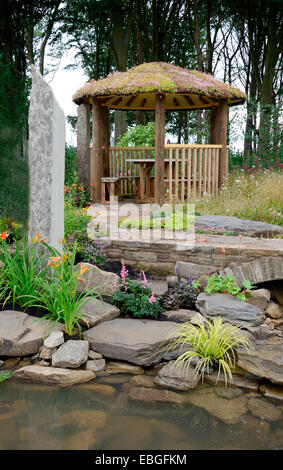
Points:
[(46, 162), (83, 143)]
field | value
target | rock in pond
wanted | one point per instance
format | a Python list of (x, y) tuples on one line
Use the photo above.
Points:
[(96, 311), (153, 395), (21, 334), (172, 377), (94, 388), (264, 410), (266, 360), (116, 367), (136, 341), (71, 354), (83, 440), (84, 419), (229, 308), (106, 283), (228, 410), (142, 381), (53, 375)]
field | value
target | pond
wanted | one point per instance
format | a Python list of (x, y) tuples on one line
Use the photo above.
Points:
[(45, 417)]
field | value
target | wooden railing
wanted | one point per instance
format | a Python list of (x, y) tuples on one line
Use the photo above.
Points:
[(191, 170)]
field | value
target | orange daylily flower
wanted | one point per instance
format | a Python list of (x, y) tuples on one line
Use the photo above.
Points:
[(4, 235), (83, 269), (37, 237), (55, 261)]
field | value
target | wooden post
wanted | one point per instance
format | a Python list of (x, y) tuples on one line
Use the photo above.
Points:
[(83, 141), (96, 154), (105, 140), (218, 135), (159, 148)]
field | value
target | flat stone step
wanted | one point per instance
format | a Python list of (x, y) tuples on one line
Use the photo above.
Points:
[(53, 375)]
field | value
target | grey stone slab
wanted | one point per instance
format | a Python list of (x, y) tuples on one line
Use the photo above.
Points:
[(135, 341), (238, 226), (96, 311), (71, 354), (46, 162)]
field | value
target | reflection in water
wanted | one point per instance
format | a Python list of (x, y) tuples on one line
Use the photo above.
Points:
[(99, 415)]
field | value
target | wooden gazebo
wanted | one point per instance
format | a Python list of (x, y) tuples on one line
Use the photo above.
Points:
[(158, 87)]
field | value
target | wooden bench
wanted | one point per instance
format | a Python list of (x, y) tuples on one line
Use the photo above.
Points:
[(113, 185)]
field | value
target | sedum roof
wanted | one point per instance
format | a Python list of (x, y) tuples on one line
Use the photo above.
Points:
[(159, 77)]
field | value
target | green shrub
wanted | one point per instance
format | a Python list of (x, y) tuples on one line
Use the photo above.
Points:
[(213, 343), (139, 136), (75, 219)]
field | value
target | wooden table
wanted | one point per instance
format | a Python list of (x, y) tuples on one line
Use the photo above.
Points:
[(146, 165)]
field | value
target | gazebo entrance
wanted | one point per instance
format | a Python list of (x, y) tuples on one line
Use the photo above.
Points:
[(165, 171)]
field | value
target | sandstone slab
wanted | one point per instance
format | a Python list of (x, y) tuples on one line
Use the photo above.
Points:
[(228, 410), (172, 377), (21, 334), (259, 298), (229, 308), (106, 283), (239, 381), (274, 311), (265, 361), (53, 375), (136, 341), (84, 419), (273, 393), (142, 381), (96, 311), (264, 410), (71, 354), (101, 389)]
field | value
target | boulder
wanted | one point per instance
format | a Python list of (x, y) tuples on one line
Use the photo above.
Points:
[(136, 341), (172, 377), (123, 368), (264, 410), (259, 298), (228, 410), (153, 395), (71, 354), (265, 361), (56, 338), (96, 365), (21, 334), (96, 311), (53, 376), (273, 310), (238, 226), (106, 283), (229, 308), (181, 315), (277, 293)]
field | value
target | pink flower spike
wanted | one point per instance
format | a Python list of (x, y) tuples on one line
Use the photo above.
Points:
[(144, 279), (152, 299)]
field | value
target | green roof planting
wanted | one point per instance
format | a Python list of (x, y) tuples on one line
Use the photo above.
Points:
[(159, 77)]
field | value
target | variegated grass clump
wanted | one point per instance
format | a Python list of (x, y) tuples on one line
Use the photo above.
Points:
[(210, 343)]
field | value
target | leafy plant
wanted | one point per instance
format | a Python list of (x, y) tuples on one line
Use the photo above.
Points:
[(58, 291), (212, 343), (75, 219), (76, 194), (183, 295), (5, 374), (22, 271), (135, 298), (226, 284)]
